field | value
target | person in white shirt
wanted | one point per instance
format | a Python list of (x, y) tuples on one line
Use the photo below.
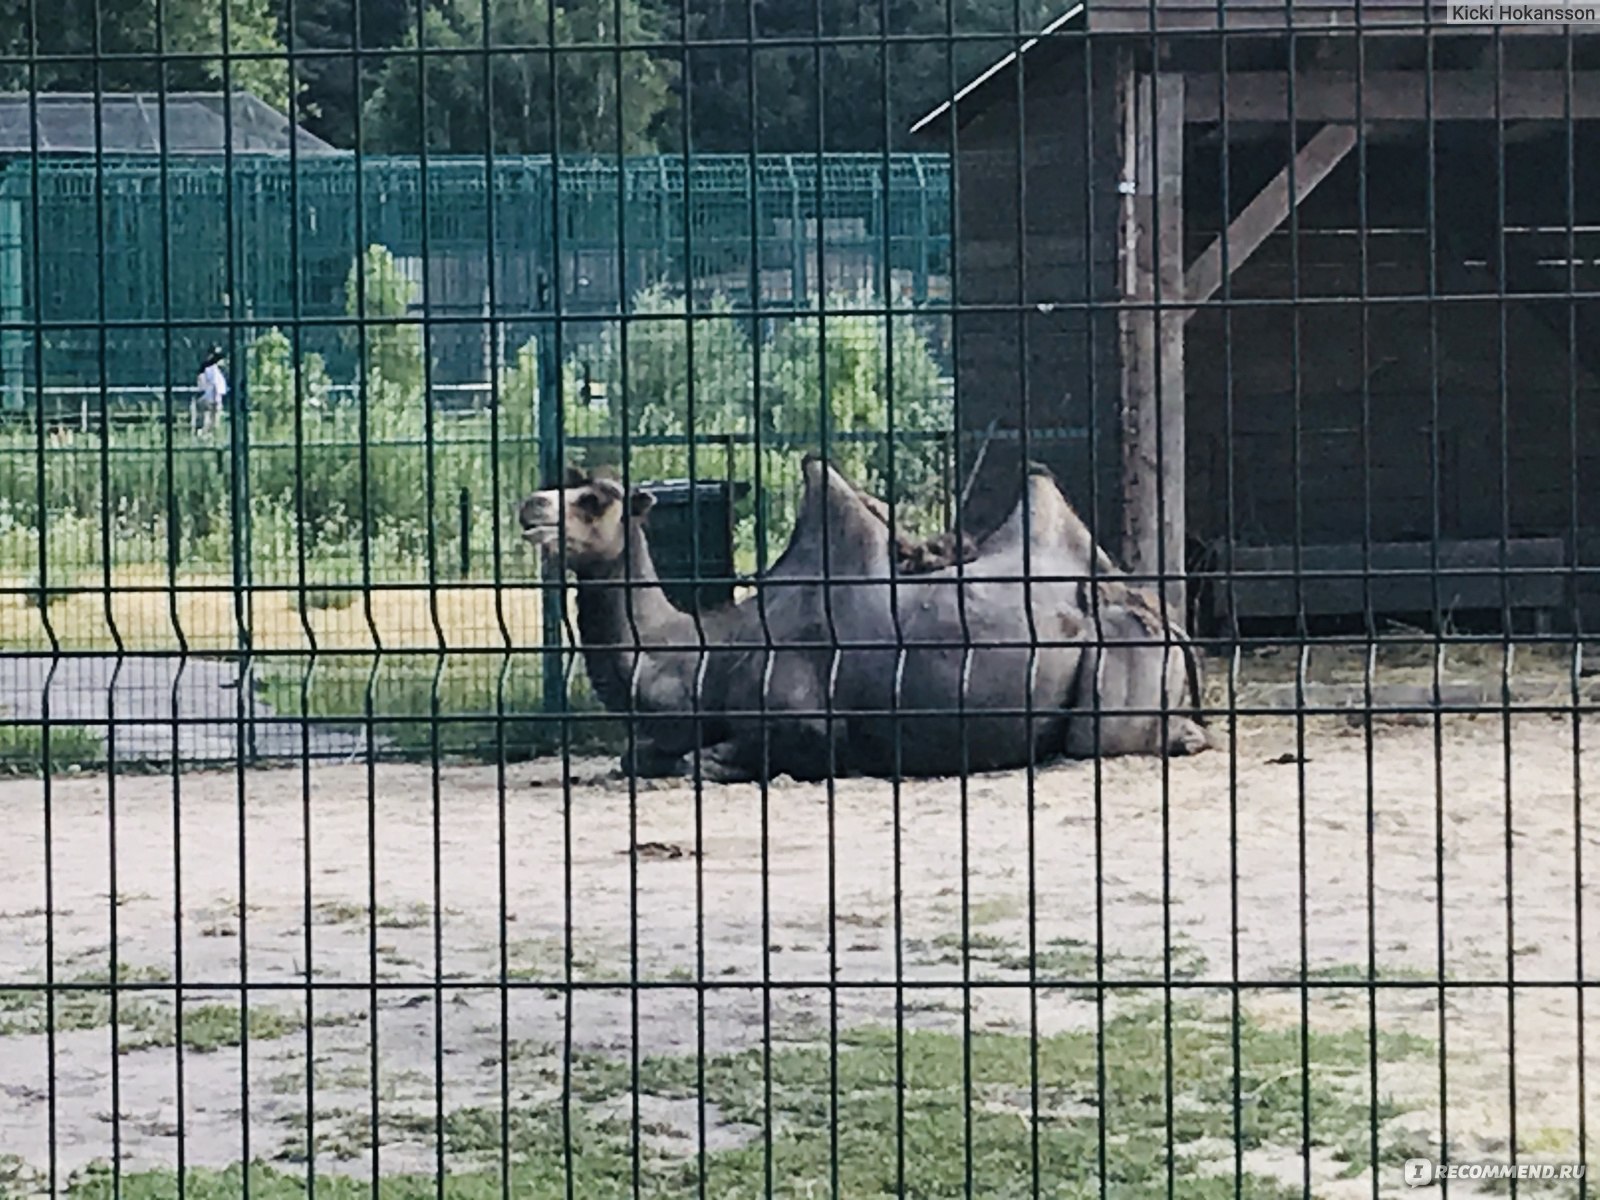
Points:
[(211, 388)]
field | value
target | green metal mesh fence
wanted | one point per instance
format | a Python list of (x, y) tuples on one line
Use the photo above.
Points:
[(160, 289)]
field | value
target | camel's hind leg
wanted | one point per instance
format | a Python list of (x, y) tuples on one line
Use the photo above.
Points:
[(1135, 684)]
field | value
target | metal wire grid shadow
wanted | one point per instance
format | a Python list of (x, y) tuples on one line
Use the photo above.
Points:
[(978, 600)]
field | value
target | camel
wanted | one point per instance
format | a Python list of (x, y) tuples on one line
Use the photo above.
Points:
[(641, 653), (968, 668), (917, 687), (1138, 659)]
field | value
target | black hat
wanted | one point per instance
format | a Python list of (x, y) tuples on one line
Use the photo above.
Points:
[(213, 357)]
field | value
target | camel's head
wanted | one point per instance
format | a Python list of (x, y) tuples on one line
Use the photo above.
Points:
[(586, 515)]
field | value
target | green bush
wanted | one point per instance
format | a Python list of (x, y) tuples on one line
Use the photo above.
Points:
[(393, 348), (824, 383), (332, 478), (26, 750)]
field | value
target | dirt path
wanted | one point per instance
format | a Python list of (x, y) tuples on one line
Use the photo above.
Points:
[(764, 878)]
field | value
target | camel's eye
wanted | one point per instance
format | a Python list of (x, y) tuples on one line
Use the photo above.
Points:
[(590, 504)]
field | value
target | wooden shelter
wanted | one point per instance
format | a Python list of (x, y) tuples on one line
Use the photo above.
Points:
[(1278, 289)]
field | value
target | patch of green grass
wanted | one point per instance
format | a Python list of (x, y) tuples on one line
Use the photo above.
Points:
[(25, 749), (84, 1001), (977, 943), (1356, 973), (211, 1027), (349, 912), (19, 1179), (357, 1076), (544, 959), (1134, 1105), (1063, 958), (322, 599), (927, 1092), (143, 1019)]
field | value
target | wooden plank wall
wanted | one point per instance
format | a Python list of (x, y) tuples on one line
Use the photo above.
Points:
[(1134, 16), (1401, 367), (1055, 256)]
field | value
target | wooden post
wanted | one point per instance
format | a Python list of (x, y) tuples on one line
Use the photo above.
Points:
[(1153, 443)]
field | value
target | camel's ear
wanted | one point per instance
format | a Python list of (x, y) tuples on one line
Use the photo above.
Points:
[(640, 502)]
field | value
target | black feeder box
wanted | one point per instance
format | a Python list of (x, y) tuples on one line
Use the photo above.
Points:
[(672, 540)]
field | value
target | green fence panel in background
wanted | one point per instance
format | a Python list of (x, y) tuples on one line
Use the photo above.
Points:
[(622, 229)]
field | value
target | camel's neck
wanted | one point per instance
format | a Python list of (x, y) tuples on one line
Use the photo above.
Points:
[(621, 608)]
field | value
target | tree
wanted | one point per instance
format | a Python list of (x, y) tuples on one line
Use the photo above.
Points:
[(445, 107), (328, 84), (839, 90), (393, 347), (67, 27)]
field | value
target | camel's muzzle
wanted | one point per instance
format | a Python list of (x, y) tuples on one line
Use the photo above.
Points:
[(540, 521)]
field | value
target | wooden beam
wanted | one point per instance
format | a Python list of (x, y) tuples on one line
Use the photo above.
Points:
[(1153, 440), (1321, 96), (1314, 163)]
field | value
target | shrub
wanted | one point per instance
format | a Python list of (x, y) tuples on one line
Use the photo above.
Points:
[(382, 290), (824, 382), (70, 747)]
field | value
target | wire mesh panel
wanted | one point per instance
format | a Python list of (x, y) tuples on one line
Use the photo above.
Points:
[(692, 599)]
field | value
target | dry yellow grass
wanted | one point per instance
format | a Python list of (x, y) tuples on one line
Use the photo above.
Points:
[(148, 614)]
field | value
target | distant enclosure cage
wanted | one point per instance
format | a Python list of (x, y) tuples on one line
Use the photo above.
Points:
[(134, 255)]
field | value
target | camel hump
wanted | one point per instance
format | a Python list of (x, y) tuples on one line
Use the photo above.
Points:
[(1041, 516)]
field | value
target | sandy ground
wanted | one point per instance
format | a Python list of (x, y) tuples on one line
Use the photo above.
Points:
[(265, 875)]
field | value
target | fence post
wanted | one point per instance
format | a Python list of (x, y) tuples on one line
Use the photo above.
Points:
[(466, 534), (551, 422), (797, 252), (236, 418), (12, 355), (920, 285)]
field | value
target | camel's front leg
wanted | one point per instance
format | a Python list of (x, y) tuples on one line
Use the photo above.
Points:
[(646, 759), (787, 746)]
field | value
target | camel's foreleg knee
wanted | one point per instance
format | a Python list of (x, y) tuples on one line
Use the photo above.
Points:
[(798, 748), (1107, 735), (728, 762), (648, 760)]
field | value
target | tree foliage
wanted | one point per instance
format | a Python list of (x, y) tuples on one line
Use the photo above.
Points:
[(776, 94), (839, 385), (392, 348), (129, 27), (331, 85), (459, 102)]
